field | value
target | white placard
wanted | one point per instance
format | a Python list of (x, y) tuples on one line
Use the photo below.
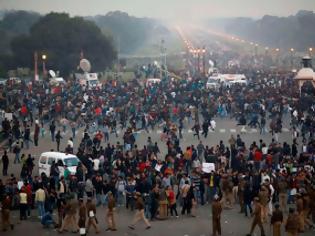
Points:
[(91, 213), (158, 167), (9, 116), (20, 185), (208, 167), (82, 231)]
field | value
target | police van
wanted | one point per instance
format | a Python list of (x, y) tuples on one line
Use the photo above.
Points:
[(62, 160)]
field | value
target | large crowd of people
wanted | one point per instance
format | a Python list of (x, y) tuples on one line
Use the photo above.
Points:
[(273, 182)]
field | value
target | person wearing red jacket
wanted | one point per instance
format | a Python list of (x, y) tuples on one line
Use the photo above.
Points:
[(257, 159)]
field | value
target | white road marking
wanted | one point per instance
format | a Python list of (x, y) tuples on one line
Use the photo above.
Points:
[(233, 130), (243, 130), (222, 130), (285, 130)]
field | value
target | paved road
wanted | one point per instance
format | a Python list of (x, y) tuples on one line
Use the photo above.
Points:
[(233, 223), (224, 129)]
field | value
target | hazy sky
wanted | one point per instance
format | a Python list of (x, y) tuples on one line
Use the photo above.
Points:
[(169, 9)]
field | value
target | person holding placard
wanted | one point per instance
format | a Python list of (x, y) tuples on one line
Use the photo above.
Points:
[(82, 217), (91, 211)]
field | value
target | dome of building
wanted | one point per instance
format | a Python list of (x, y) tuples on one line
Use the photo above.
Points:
[(305, 74)]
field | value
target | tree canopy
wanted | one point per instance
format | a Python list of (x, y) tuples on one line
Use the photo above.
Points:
[(130, 33), (62, 38), (13, 24)]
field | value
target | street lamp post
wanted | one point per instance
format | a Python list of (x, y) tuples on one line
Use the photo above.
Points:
[(277, 55), (310, 51), (194, 54), (44, 57), (35, 66), (256, 49), (204, 60), (292, 51), (198, 60)]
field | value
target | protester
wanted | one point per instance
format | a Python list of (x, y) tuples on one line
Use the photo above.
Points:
[(5, 163), (40, 196), (147, 176)]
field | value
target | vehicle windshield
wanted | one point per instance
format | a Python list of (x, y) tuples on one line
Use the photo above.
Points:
[(212, 81), (72, 161)]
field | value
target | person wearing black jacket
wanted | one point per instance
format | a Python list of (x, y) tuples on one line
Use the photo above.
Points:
[(5, 164), (58, 138), (248, 197), (98, 185)]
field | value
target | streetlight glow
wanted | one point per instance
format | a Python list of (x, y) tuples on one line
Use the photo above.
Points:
[(292, 49), (310, 49), (44, 57)]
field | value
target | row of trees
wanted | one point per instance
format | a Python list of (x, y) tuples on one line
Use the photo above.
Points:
[(61, 38), (284, 32), (129, 33)]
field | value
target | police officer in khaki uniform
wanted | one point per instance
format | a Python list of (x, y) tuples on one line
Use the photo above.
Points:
[(307, 209), (5, 214), (300, 211), (82, 217), (110, 213), (216, 216), (291, 226), (70, 217), (257, 218), (240, 193), (91, 213), (276, 220), (263, 198), (283, 187), (139, 215)]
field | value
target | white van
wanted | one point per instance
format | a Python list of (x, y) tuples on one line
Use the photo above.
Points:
[(213, 82), (62, 160)]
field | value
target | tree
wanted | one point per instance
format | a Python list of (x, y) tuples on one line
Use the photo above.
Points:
[(130, 33), (62, 38), (13, 24)]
